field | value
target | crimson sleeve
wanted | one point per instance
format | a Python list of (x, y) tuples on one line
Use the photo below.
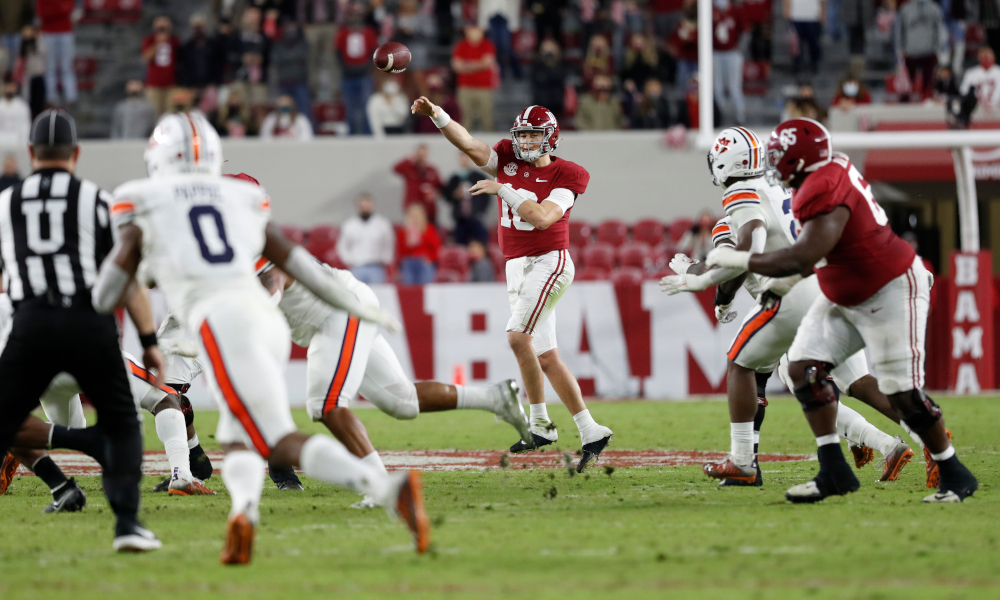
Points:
[(574, 179), (814, 198)]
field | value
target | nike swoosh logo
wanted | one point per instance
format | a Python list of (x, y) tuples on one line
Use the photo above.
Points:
[(541, 180), (875, 310)]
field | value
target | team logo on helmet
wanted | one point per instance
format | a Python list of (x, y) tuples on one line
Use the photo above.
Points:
[(510, 169)]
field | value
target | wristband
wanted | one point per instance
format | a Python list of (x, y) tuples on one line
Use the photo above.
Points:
[(441, 121), (510, 197), (147, 340)]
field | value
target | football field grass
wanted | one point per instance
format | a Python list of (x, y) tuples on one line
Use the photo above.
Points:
[(660, 532)]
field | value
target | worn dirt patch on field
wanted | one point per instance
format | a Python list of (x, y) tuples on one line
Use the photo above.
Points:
[(155, 463)]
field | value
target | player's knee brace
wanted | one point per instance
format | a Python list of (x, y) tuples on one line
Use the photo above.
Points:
[(917, 410), (818, 390)]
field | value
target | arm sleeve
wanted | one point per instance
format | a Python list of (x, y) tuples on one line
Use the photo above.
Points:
[(562, 198), (491, 166)]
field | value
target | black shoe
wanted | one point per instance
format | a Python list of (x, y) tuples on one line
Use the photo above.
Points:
[(758, 482), (520, 446), (69, 498), (592, 451), (823, 485), (201, 465), (290, 485), (133, 537), (957, 482), (163, 486), (285, 478)]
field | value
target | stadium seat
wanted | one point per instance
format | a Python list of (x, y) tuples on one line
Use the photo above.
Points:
[(591, 274), (678, 228), (612, 232), (627, 276), (454, 258), (331, 258), (576, 253), (650, 231), (579, 233), (449, 276), (321, 239), (293, 233), (635, 254), (599, 256), (330, 118)]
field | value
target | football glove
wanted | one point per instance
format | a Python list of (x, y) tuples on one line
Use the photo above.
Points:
[(728, 257), (725, 313), (680, 263), (675, 284)]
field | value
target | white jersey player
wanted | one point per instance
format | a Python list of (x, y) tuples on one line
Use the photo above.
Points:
[(761, 220), (201, 234)]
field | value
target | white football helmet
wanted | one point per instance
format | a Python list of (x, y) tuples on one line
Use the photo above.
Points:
[(737, 152), (184, 143)]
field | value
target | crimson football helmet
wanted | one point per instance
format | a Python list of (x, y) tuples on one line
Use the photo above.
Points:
[(244, 177), (535, 118), (798, 146)]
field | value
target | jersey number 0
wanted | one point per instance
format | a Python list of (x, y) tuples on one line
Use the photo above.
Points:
[(206, 222)]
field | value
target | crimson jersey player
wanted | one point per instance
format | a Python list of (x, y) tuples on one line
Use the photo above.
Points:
[(876, 293), (535, 193)]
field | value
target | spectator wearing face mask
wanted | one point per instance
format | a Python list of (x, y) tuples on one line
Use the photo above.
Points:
[(234, 118), (653, 109), (437, 93), (355, 43), (481, 268), (200, 59), (367, 242), (548, 79), (467, 211), (641, 60), (9, 176), (727, 60), (985, 78), (599, 110), (418, 245), (851, 92), (286, 122), (134, 117), (253, 53), (15, 117), (421, 180), (389, 110), (919, 37), (159, 52)]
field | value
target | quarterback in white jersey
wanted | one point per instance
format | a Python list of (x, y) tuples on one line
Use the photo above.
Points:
[(760, 219), (200, 234)]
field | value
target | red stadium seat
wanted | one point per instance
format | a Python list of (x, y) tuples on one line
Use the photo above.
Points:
[(650, 231), (627, 276), (678, 228), (576, 253), (591, 274), (449, 276), (635, 254), (580, 233), (454, 258), (331, 258), (321, 239), (599, 256), (612, 232), (293, 233)]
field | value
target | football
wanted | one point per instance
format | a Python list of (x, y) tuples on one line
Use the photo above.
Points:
[(392, 57)]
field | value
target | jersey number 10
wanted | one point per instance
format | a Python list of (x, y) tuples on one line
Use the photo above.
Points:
[(509, 218), (206, 222)]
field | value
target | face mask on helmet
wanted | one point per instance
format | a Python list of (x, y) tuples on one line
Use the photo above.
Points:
[(531, 143)]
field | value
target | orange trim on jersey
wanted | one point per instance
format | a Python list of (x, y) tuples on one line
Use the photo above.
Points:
[(261, 262), (122, 207), (232, 399), (266, 204), (750, 328), (740, 196), (195, 139), (343, 364), (721, 229), (144, 375)]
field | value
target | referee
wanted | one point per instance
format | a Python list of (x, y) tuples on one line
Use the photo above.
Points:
[(54, 233)]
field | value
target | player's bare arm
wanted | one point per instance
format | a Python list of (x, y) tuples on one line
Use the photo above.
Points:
[(751, 236), (118, 269), (540, 214), (819, 236), (140, 310), (297, 262), (459, 136)]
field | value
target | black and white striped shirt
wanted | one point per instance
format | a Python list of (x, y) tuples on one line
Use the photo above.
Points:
[(54, 234)]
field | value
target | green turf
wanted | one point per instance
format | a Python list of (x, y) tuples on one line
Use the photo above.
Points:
[(637, 533)]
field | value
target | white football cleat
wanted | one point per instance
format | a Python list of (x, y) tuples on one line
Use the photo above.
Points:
[(510, 410), (366, 503), (139, 539)]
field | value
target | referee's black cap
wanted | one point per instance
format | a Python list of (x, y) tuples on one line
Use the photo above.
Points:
[(53, 127)]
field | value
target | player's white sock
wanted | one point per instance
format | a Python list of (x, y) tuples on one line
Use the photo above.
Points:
[(374, 461), (329, 461), (478, 398), (741, 443), (824, 440), (538, 414), (857, 430), (193, 441), (945, 454), (172, 431), (243, 474), (584, 422), (916, 438)]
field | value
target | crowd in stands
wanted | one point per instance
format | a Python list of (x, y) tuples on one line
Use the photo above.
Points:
[(297, 68)]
